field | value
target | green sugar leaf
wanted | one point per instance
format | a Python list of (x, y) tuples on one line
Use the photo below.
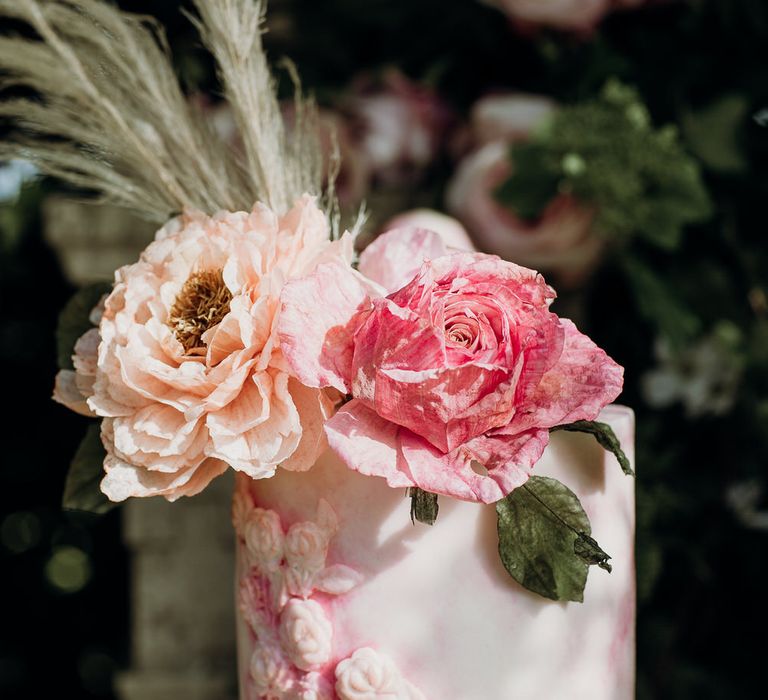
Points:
[(424, 506), (81, 489), (74, 320), (544, 539), (605, 437), (587, 549)]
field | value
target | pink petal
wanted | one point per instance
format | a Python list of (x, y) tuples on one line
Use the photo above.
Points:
[(367, 443), (454, 235), (315, 326), (395, 257), (582, 382), (507, 459)]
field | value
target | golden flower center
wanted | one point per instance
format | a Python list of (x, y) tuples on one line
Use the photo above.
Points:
[(201, 304)]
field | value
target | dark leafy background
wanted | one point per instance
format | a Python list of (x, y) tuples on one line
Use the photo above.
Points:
[(701, 562)]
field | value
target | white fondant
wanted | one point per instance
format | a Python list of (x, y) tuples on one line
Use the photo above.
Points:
[(438, 602)]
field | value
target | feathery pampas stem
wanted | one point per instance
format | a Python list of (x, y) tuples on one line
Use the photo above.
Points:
[(108, 113)]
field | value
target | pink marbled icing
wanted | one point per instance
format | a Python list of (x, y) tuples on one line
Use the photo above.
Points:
[(437, 601)]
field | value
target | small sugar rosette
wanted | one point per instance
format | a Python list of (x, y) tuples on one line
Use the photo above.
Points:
[(306, 633), (369, 675), (187, 373), (455, 377), (264, 540)]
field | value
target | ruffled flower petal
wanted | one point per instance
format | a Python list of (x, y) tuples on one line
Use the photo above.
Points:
[(315, 325), (368, 443)]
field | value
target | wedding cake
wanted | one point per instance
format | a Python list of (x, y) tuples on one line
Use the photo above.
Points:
[(426, 612)]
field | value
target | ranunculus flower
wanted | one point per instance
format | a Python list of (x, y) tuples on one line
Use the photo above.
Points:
[(561, 241), (456, 377), (190, 377), (368, 675), (305, 633)]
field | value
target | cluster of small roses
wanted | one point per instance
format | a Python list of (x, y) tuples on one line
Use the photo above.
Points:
[(292, 630)]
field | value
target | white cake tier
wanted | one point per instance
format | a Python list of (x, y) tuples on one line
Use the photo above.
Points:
[(401, 611)]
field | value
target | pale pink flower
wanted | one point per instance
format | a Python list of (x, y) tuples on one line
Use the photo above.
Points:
[(401, 126), (568, 15), (190, 376), (561, 241), (576, 15), (456, 377), (453, 234)]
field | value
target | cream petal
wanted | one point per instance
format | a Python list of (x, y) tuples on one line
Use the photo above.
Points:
[(67, 393), (259, 450), (249, 409), (314, 407)]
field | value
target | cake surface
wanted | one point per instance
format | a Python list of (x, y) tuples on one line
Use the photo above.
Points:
[(341, 596)]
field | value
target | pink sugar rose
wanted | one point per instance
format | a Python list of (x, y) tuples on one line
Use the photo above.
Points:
[(455, 377), (189, 376)]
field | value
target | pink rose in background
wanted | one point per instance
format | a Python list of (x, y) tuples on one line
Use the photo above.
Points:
[(394, 260), (451, 232), (561, 241), (189, 376), (455, 377), (567, 15), (400, 126)]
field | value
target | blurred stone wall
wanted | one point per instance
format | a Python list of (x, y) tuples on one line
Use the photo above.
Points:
[(182, 554)]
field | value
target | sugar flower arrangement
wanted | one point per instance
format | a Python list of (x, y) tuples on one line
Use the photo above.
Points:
[(247, 336)]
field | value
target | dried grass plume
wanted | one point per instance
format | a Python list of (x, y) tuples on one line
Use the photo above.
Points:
[(105, 111)]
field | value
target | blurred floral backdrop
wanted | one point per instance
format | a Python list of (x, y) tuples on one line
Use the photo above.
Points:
[(619, 146)]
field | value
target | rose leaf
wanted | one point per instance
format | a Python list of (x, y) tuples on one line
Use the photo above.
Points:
[(74, 320), (81, 489), (605, 437), (544, 539)]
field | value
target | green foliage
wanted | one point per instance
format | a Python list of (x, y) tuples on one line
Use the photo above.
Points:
[(605, 437), (605, 152), (81, 490), (713, 133), (75, 320), (544, 539)]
